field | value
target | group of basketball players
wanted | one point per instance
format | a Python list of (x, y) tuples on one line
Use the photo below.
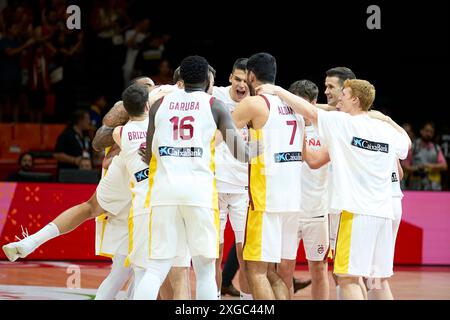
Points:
[(181, 159)]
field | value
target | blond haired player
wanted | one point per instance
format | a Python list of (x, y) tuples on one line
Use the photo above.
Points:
[(313, 229), (274, 181), (363, 152), (232, 178)]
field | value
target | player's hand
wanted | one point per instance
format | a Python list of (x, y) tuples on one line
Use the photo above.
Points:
[(142, 153), (266, 88)]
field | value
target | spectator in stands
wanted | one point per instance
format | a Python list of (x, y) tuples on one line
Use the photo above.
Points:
[(409, 130), (11, 47), (165, 74), (26, 165), (85, 164), (133, 40), (97, 110), (39, 82), (425, 161), (73, 144)]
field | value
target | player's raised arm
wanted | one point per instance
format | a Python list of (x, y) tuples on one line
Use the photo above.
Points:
[(298, 104)]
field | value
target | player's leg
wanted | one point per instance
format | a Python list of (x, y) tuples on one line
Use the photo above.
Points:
[(378, 285), (238, 217), (286, 269), (350, 288), (166, 291), (333, 222), (316, 243), (262, 246), (154, 247), (279, 287), (64, 223), (115, 280), (258, 280), (289, 246), (179, 280), (202, 228)]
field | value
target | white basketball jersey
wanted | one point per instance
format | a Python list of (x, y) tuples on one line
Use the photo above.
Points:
[(228, 169), (275, 175), (182, 165), (314, 197), (134, 137)]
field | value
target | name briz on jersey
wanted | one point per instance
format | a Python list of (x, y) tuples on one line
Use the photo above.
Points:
[(370, 145)]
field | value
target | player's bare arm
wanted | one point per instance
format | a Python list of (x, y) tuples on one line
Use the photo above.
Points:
[(117, 116), (251, 110), (103, 138), (298, 104), (150, 131), (315, 158), (325, 107)]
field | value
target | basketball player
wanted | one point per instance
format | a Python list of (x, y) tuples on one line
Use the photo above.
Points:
[(182, 197), (232, 178), (334, 83), (73, 217), (362, 151), (274, 181), (313, 228)]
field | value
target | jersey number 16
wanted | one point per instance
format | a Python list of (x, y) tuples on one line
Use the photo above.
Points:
[(183, 128)]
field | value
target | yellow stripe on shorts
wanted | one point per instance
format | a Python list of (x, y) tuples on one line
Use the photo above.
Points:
[(257, 172), (342, 254), (130, 227), (253, 237), (151, 179), (215, 195)]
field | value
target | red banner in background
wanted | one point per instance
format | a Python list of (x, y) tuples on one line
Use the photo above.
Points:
[(424, 236)]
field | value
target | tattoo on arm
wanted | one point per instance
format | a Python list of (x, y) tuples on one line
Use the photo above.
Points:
[(103, 138), (117, 116)]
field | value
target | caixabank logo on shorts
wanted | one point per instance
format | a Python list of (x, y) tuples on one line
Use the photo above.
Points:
[(287, 157), (141, 175), (370, 145), (190, 152)]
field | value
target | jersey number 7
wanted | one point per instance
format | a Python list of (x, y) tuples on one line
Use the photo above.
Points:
[(294, 130)]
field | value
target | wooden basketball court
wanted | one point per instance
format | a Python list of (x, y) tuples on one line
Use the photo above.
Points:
[(58, 280)]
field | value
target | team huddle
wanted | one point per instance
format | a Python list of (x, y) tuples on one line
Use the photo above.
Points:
[(182, 159)]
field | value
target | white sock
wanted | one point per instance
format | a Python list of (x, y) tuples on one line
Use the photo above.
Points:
[(151, 282), (246, 296), (115, 280), (205, 274), (219, 295), (47, 233), (338, 293)]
